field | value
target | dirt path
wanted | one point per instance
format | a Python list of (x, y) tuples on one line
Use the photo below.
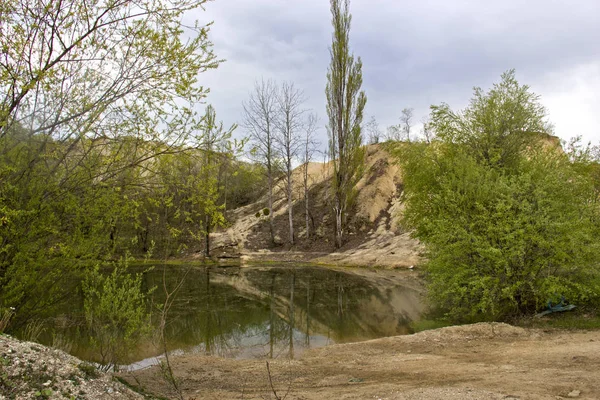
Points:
[(481, 361)]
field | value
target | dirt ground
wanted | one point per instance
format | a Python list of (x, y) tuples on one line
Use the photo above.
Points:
[(480, 361)]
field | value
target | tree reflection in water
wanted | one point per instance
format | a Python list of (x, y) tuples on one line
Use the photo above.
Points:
[(271, 312)]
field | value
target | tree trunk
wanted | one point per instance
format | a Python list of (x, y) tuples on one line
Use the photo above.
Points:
[(306, 200), (290, 204), (338, 224), (271, 226), (207, 237), (207, 224)]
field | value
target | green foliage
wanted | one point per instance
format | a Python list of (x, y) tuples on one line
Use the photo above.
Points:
[(44, 393), (508, 220), (80, 147), (89, 371), (345, 104), (154, 68), (496, 126), (246, 182), (567, 320), (115, 311), (5, 317)]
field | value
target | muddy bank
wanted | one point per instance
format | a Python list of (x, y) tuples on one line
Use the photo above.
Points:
[(481, 361), (385, 251)]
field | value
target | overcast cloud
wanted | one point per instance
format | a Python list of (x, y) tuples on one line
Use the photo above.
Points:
[(414, 53)]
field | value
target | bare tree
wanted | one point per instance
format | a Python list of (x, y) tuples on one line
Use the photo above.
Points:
[(393, 132), (406, 122), (402, 130), (310, 147), (372, 128), (260, 114), (427, 129), (288, 138)]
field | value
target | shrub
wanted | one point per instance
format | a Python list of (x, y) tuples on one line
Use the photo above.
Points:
[(115, 311)]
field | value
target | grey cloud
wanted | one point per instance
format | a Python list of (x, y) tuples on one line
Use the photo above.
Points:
[(414, 53)]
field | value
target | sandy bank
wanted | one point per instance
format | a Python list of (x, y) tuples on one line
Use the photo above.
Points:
[(481, 361)]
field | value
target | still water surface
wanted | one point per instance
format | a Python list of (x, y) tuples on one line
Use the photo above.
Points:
[(247, 312)]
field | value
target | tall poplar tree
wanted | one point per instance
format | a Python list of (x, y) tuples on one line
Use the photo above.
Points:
[(345, 105)]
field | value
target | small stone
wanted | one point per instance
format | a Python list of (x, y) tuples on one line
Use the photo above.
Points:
[(48, 383), (109, 390), (574, 393)]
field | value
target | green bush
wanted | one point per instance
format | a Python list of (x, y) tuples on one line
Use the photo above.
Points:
[(115, 311), (508, 220)]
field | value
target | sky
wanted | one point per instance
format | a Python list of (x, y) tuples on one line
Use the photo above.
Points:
[(414, 54)]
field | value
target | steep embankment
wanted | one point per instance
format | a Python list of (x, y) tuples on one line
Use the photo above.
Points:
[(374, 236)]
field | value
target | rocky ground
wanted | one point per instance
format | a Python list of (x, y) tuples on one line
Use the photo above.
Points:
[(481, 361), (32, 371)]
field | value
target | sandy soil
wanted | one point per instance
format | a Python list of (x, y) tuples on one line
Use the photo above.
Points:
[(481, 361), (374, 237)]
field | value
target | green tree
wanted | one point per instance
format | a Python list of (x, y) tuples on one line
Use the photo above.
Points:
[(90, 95), (206, 194), (509, 222), (345, 105)]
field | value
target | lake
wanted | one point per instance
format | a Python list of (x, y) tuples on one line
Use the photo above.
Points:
[(261, 311)]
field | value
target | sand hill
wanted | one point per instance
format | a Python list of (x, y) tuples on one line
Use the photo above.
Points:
[(375, 238)]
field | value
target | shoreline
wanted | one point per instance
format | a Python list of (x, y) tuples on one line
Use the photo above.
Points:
[(489, 361)]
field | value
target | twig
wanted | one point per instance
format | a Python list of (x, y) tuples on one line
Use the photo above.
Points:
[(271, 382), (289, 388)]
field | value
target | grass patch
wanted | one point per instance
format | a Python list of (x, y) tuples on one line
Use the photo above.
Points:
[(89, 371), (567, 320), (44, 393), (428, 324)]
